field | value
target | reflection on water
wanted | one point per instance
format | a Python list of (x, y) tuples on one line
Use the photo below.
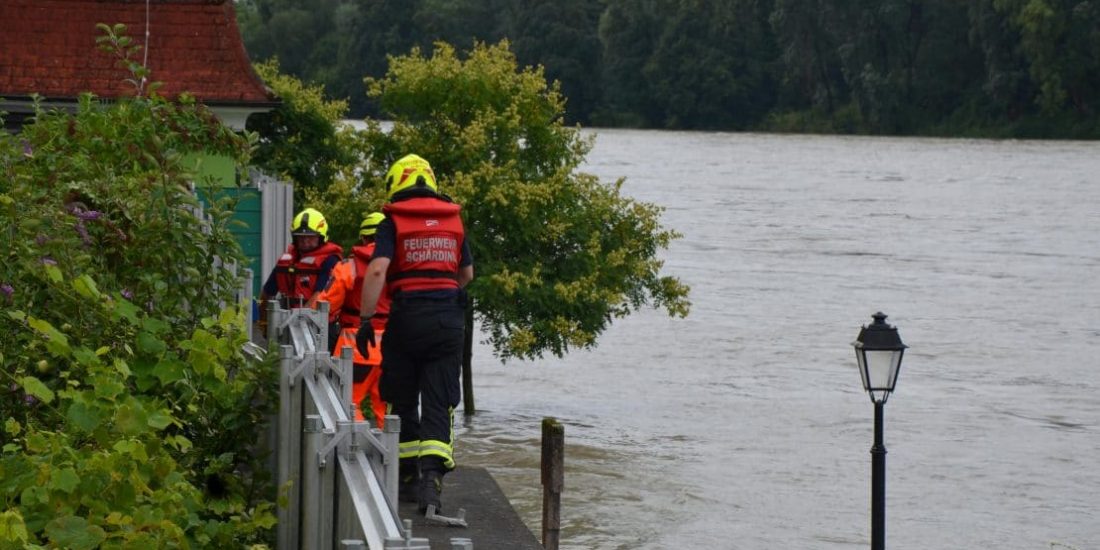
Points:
[(744, 425)]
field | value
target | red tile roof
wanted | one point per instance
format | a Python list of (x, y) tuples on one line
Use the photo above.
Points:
[(48, 47)]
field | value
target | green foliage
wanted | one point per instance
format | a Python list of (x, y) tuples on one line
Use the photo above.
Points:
[(561, 36), (347, 200), (1061, 41), (301, 139), (558, 254), (986, 67), (127, 406), (709, 68)]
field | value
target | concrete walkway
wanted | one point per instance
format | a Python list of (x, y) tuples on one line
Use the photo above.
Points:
[(493, 523)]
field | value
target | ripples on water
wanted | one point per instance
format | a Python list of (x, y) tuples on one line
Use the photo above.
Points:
[(744, 425)]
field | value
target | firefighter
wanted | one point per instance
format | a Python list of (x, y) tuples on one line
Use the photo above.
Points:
[(421, 254), (306, 265), (343, 295)]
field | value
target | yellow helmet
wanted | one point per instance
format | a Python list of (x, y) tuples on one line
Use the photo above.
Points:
[(410, 171), (370, 224), (309, 222)]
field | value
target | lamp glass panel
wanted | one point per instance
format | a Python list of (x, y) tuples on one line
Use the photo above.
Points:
[(862, 367), (882, 368)]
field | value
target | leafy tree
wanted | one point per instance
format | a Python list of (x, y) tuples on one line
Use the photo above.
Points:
[(871, 51), (297, 32), (811, 68), (628, 31), (1061, 40), (941, 68), (710, 65), (380, 28), (558, 254), (562, 37), (301, 139), (1007, 89), (465, 22)]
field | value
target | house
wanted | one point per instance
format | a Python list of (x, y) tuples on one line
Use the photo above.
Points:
[(48, 48)]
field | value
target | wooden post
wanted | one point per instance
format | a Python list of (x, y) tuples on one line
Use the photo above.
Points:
[(553, 476), (467, 362)]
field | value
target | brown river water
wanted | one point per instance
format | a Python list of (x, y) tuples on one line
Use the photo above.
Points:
[(744, 426)]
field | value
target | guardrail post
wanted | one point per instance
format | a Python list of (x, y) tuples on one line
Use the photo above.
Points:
[(321, 317), (391, 438), (347, 528), (553, 474), (347, 375), (289, 449), (311, 517)]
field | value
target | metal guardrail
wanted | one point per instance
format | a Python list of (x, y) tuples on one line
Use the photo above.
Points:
[(340, 475)]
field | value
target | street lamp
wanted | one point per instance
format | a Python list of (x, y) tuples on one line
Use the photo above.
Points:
[(878, 353)]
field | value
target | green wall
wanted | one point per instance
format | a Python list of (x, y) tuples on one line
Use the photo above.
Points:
[(218, 173)]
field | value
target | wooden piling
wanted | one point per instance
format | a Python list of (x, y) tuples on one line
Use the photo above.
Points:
[(467, 362), (553, 477)]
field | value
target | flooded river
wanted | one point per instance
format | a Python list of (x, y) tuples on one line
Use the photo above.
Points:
[(744, 426)]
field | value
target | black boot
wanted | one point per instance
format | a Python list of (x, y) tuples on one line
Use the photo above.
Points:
[(407, 488), (431, 486), (408, 475)]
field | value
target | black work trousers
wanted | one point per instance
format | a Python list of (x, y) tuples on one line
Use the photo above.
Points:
[(422, 361)]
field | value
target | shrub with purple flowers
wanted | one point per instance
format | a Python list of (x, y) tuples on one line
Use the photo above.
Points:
[(124, 425)]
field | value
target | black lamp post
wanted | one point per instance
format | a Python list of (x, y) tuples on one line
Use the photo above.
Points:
[(878, 352)]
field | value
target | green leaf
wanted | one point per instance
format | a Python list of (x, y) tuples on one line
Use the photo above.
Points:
[(155, 326), (122, 367), (83, 417), (53, 273), (125, 446), (74, 533), (35, 494), (17, 315), (181, 443), (56, 342), (124, 309), (37, 443), (107, 388), (12, 528), (130, 419), (86, 357), (168, 371), (159, 420), (132, 448), (64, 480), (150, 344), (35, 387), (86, 287), (12, 426)]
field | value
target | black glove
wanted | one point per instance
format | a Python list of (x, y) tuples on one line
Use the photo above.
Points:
[(364, 339)]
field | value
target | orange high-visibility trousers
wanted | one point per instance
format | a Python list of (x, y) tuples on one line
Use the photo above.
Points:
[(368, 371)]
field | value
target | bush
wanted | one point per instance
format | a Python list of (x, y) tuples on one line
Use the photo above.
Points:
[(129, 410)]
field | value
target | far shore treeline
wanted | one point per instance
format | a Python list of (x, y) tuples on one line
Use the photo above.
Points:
[(995, 68)]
